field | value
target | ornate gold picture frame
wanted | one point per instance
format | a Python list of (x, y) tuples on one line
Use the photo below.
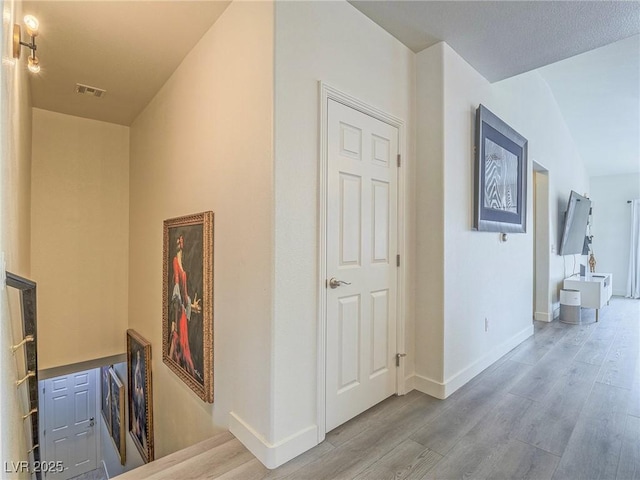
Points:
[(140, 394), (187, 301)]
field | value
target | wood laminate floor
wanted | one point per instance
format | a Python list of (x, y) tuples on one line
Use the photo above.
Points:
[(565, 404)]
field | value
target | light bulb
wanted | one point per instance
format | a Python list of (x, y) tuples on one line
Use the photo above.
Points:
[(31, 23), (33, 65)]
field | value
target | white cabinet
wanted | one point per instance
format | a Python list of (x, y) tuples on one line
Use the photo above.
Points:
[(595, 289)]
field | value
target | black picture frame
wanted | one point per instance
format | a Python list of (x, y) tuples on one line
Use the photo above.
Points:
[(500, 201)]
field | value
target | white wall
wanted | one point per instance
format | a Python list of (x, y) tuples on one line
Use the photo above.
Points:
[(15, 166), (461, 273), (205, 143), (527, 104), (429, 298), (611, 227), (79, 236), (332, 42), (235, 130), (483, 278)]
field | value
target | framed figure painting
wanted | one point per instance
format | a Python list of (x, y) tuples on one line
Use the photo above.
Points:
[(117, 412), (140, 393), (500, 176), (105, 396), (187, 306)]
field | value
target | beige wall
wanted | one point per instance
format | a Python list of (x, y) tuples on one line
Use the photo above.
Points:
[(205, 143), (15, 158), (79, 237)]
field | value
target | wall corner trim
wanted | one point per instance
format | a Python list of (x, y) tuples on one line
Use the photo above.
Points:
[(409, 383), (272, 455), (543, 317), (443, 390), (429, 386)]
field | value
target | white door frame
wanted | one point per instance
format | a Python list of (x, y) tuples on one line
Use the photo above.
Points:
[(542, 308), (329, 93)]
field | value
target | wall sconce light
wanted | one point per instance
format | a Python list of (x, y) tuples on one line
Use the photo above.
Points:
[(31, 25)]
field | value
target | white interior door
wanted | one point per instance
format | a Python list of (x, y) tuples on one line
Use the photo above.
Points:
[(361, 255), (70, 418)]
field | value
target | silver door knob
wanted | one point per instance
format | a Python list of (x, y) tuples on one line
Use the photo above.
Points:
[(335, 283)]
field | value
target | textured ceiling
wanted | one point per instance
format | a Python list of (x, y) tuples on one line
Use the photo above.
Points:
[(589, 50), (501, 39)]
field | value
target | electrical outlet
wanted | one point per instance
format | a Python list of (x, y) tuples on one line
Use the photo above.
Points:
[(486, 324)]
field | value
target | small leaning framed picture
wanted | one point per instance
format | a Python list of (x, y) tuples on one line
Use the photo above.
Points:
[(117, 414), (105, 396), (187, 301), (140, 393), (500, 176)]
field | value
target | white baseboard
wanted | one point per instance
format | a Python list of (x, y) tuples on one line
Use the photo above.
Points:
[(409, 383), (429, 386), (443, 390), (543, 317), (272, 455)]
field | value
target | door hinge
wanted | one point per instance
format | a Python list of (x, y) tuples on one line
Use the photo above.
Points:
[(399, 160), (397, 260), (398, 357)]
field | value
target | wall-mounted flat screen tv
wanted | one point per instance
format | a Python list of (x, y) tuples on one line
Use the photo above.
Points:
[(576, 219)]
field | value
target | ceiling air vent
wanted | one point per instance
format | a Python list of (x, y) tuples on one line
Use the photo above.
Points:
[(91, 91)]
